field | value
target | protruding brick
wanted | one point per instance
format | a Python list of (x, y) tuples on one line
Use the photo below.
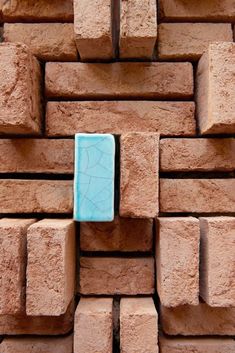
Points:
[(177, 261), (201, 154), (36, 196), (68, 118), (50, 267), (93, 329), (13, 264), (188, 41), (47, 41), (93, 29), (204, 320), (20, 106), (217, 277), (110, 276), (138, 325), (119, 80), (197, 195), (139, 175), (215, 93), (138, 28)]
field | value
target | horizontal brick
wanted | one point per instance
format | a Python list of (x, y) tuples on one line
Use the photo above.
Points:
[(123, 234), (217, 279), (47, 41), (201, 154), (197, 195), (116, 275), (93, 329), (36, 156), (36, 196), (167, 118), (119, 80), (204, 320), (188, 41)]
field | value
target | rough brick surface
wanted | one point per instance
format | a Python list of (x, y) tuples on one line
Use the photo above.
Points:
[(47, 41), (123, 234), (188, 41), (93, 330), (50, 267), (68, 118), (177, 256), (93, 29), (123, 80), (20, 108), (35, 196), (197, 195), (204, 320), (138, 28), (217, 281), (201, 154), (138, 326), (215, 94), (116, 275), (12, 264), (36, 156)]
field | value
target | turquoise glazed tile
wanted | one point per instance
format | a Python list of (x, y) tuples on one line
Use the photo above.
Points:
[(94, 178)]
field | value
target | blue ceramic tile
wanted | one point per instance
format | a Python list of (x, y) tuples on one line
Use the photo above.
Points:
[(94, 178)]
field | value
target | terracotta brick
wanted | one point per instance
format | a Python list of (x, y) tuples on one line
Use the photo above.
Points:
[(138, 28), (201, 154), (123, 234), (180, 10), (188, 41), (110, 276), (36, 156), (204, 320), (215, 93), (197, 195), (177, 260), (47, 41), (50, 267), (12, 264), (217, 271), (93, 29), (20, 108), (122, 80), (93, 329), (68, 118), (35, 196), (139, 160), (138, 325)]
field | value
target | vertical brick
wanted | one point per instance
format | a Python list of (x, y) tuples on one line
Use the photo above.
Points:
[(139, 175), (93, 328), (50, 267), (177, 261)]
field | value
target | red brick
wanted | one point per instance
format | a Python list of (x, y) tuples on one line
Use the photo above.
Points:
[(36, 196), (50, 267), (123, 234), (93, 329), (47, 41), (36, 156), (114, 275), (188, 41), (20, 106), (217, 277), (68, 118), (138, 28), (197, 195), (122, 80), (138, 325), (12, 264), (177, 260)]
